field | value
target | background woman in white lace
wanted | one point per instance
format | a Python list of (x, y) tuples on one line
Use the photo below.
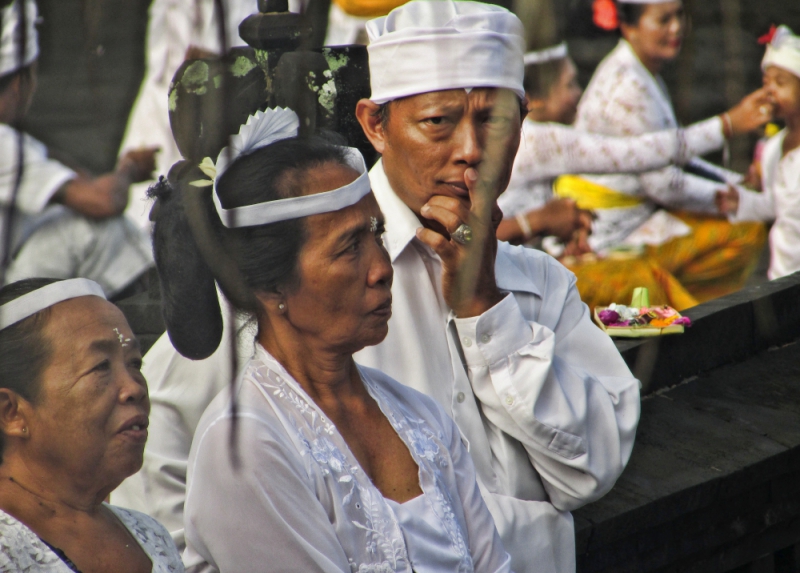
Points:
[(340, 468), (73, 424)]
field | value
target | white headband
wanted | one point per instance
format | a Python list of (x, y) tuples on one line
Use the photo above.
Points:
[(35, 301), (11, 36), (548, 55), (260, 130), (783, 51), (432, 45)]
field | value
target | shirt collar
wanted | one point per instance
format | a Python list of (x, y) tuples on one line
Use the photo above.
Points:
[(402, 225), (401, 222)]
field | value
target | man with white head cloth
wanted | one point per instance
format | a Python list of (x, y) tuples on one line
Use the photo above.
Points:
[(543, 398), (60, 224)]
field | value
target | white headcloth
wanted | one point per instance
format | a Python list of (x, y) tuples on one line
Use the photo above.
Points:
[(35, 301), (11, 36), (261, 129), (547, 55), (783, 51), (431, 45)]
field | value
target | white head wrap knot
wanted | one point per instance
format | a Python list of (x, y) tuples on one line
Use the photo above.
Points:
[(783, 51), (11, 22), (432, 45), (261, 129)]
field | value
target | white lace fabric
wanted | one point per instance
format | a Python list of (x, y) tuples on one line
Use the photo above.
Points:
[(331, 516), (21, 550)]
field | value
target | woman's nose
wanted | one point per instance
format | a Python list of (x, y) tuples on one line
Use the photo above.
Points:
[(134, 389), (381, 271)]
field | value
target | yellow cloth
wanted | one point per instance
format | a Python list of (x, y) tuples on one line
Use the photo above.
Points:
[(592, 196), (369, 8), (601, 282), (715, 259)]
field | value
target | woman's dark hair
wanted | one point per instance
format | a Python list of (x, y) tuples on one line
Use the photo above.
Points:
[(24, 352), (630, 14), (540, 79), (193, 249)]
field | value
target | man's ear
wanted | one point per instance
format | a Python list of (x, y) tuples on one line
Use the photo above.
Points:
[(370, 120), (13, 419)]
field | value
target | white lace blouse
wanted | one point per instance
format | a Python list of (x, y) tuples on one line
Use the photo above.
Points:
[(21, 550), (299, 501)]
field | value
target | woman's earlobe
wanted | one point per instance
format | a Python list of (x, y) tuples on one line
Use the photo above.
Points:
[(12, 421)]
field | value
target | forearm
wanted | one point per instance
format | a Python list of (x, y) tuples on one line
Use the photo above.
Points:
[(576, 421), (98, 197), (676, 189)]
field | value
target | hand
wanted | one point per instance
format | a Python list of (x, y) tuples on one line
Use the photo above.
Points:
[(468, 282), (559, 218), (728, 201), (578, 245), (753, 177), (138, 164), (751, 113)]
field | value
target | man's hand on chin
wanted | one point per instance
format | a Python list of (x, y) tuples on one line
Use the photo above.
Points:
[(468, 281)]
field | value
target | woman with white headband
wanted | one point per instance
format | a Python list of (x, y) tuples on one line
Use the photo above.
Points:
[(669, 213), (326, 466), (551, 147), (73, 424)]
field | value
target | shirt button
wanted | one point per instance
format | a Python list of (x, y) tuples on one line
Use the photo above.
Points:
[(486, 338), (467, 342), (510, 400), (460, 397)]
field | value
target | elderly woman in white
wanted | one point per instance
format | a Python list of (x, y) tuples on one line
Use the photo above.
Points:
[(340, 468)]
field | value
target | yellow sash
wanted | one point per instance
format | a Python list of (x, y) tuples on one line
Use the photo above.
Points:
[(369, 8), (592, 196)]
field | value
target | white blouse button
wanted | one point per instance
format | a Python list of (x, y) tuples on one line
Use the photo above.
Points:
[(467, 342), (510, 400), (486, 338), (460, 397)]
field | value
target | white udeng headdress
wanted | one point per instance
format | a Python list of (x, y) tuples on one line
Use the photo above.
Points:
[(261, 129), (431, 45), (35, 301), (783, 51), (11, 36), (547, 55)]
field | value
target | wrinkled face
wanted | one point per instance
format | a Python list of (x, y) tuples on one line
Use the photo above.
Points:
[(658, 36), (431, 139), (561, 104), (343, 298), (783, 89), (91, 414)]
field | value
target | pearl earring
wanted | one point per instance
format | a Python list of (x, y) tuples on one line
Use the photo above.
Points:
[(281, 307), (24, 430)]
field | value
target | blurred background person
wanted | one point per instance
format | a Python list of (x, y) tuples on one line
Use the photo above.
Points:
[(73, 424), (56, 222), (779, 165), (671, 213)]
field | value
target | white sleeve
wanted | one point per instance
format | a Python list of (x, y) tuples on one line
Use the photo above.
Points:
[(674, 188), (567, 395), (559, 149), (485, 548), (755, 206), (41, 179), (262, 516)]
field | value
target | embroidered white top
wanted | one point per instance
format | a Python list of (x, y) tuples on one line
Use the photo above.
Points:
[(22, 550), (299, 500), (545, 400), (779, 201), (548, 150), (624, 98)]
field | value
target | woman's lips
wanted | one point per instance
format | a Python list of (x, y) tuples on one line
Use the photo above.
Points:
[(384, 309), (135, 429)]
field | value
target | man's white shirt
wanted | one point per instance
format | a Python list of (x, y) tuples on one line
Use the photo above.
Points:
[(544, 399)]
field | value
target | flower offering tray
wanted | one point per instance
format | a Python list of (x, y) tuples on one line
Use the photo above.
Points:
[(639, 320), (637, 331)]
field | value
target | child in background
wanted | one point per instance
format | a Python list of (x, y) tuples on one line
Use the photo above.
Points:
[(780, 161)]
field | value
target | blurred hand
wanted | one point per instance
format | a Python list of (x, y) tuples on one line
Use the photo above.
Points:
[(728, 201), (751, 113), (560, 218), (138, 164), (579, 244), (197, 53), (753, 177)]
